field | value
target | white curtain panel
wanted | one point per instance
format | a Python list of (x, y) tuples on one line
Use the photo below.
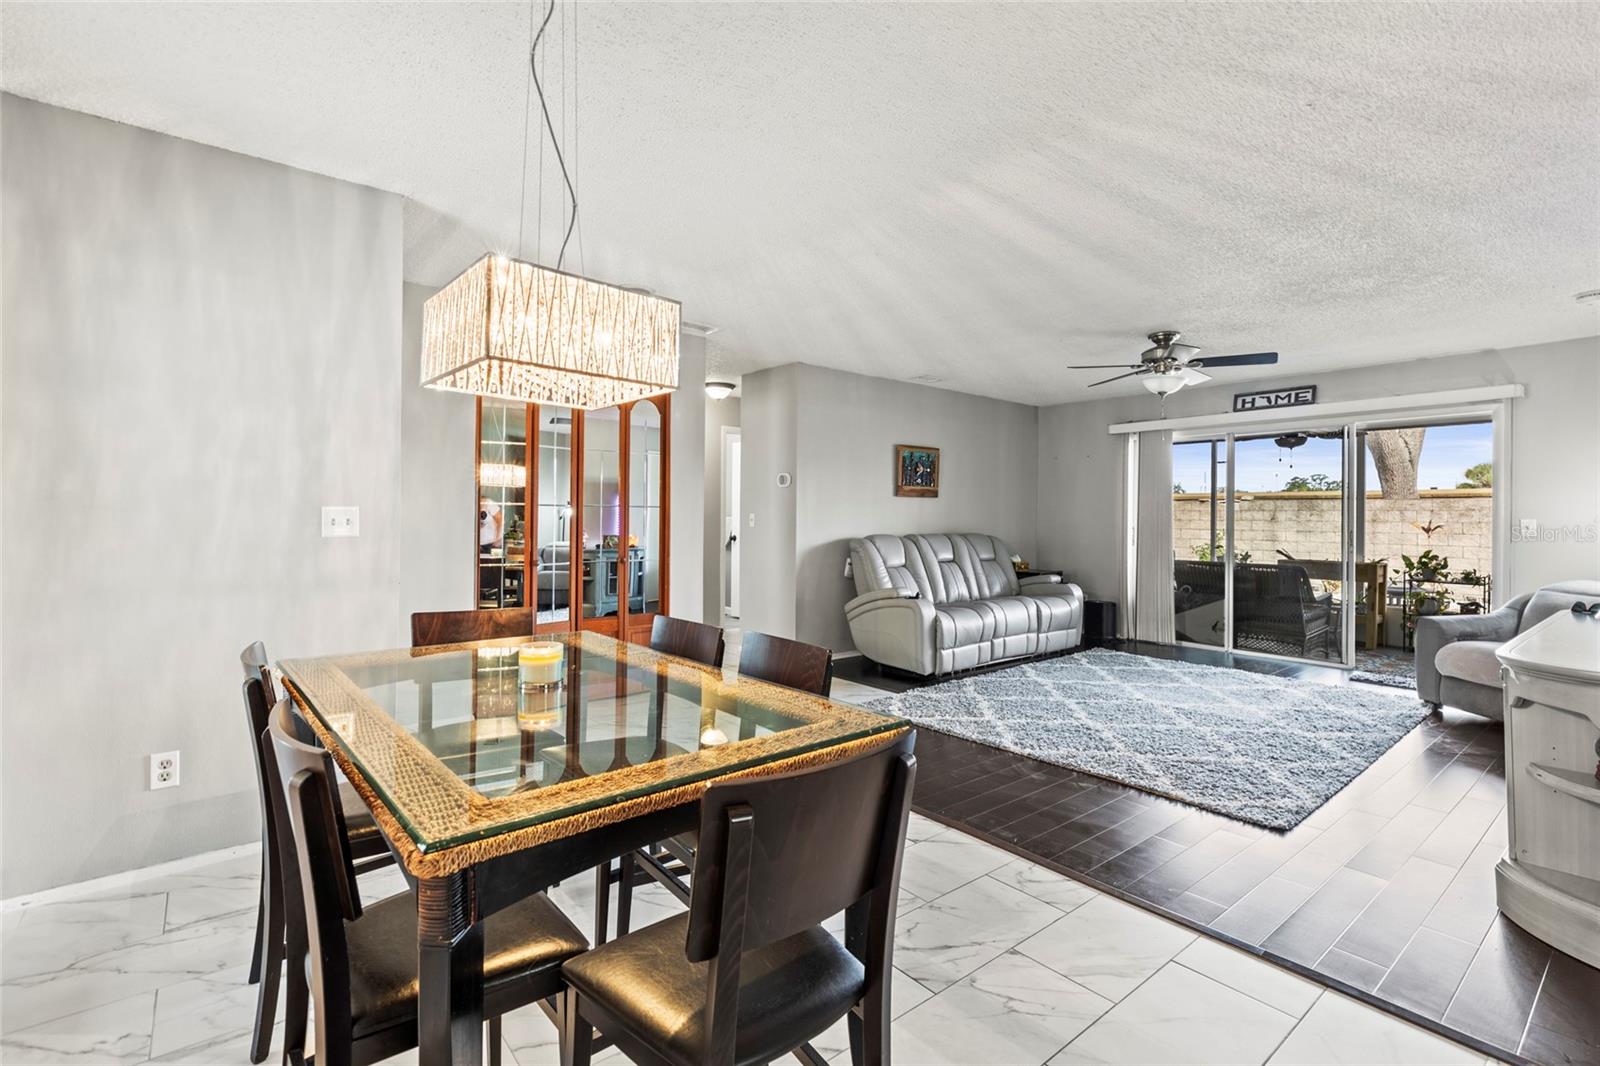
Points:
[(1152, 615)]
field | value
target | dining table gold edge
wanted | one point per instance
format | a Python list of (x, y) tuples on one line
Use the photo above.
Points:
[(463, 856)]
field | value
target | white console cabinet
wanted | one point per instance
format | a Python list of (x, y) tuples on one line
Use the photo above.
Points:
[(1549, 881)]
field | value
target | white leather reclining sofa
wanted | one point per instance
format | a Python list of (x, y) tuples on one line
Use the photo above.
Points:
[(935, 603)]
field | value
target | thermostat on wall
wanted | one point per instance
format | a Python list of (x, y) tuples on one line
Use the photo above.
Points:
[(784, 481)]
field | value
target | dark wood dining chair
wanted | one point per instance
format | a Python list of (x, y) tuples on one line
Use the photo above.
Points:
[(459, 627), (363, 959), (748, 974), (367, 847), (790, 663), (687, 640)]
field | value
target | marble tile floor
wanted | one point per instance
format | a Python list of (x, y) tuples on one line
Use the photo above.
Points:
[(997, 960)]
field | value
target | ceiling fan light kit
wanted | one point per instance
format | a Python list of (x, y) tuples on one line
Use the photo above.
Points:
[(1168, 366), (1162, 383)]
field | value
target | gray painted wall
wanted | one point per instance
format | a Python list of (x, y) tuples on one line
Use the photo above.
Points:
[(841, 453), (767, 549), (1555, 456), (197, 353), (720, 415), (848, 427), (438, 527), (686, 520)]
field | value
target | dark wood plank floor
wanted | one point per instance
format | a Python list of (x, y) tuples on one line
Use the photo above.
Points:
[(1386, 892)]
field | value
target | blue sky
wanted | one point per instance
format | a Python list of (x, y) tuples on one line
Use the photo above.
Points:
[(1447, 451)]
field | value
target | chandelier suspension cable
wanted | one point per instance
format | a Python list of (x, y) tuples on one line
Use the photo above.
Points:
[(559, 135), (527, 106), (544, 109), (515, 329), (538, 212), (583, 267)]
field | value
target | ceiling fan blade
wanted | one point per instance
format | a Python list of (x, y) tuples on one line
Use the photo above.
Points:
[(1119, 377), (1254, 359), (1107, 366), (1191, 376)]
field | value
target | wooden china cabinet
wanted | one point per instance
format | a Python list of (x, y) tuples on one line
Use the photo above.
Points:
[(573, 514)]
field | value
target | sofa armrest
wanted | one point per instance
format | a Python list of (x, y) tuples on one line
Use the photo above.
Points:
[(1435, 631), (893, 627), (1033, 581), (1051, 586), (867, 599)]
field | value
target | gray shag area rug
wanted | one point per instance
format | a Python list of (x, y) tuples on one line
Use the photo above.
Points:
[(1261, 748), (1391, 667)]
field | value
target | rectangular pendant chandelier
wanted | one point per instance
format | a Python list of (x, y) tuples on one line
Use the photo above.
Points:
[(519, 331)]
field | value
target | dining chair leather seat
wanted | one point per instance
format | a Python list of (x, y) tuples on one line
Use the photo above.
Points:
[(523, 946), (788, 990)]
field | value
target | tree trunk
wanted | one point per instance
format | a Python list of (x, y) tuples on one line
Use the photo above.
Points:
[(1395, 452)]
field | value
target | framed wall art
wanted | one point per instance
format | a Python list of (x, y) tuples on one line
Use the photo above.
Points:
[(916, 470)]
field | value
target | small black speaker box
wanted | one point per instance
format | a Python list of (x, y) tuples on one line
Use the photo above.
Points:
[(1099, 621)]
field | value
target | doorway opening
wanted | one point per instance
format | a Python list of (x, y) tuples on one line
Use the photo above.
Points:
[(732, 455)]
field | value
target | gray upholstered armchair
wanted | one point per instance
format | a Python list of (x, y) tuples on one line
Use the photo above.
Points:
[(1456, 664)]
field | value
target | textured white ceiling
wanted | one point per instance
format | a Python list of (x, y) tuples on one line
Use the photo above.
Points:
[(974, 193)]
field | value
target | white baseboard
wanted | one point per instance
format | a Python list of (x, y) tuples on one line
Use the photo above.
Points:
[(126, 878)]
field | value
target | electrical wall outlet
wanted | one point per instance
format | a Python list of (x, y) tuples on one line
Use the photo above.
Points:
[(341, 521), (1528, 528), (164, 770)]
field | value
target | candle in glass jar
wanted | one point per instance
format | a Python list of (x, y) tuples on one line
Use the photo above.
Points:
[(539, 706), (540, 664)]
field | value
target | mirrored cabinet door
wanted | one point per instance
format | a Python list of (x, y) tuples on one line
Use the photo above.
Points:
[(552, 565), (645, 506), (601, 536), (502, 504), (572, 514)]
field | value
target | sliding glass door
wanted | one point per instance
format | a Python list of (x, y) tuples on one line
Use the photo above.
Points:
[(1199, 527), (1289, 536), (1262, 529)]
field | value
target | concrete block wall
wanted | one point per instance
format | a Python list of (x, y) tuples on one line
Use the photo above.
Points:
[(1306, 525)]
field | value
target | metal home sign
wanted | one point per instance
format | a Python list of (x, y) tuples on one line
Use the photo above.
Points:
[(1261, 401)]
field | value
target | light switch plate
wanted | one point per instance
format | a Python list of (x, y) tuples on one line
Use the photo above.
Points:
[(341, 521), (1528, 528)]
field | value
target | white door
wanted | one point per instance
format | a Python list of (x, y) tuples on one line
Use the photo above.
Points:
[(731, 447)]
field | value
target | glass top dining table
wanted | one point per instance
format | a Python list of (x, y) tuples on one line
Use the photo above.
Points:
[(459, 750)]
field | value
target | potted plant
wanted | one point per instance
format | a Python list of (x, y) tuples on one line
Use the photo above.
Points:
[(1428, 566), (1432, 601), (1470, 576), (1212, 553), (1471, 607)]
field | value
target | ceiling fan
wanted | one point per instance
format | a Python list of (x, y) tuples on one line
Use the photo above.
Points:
[(1169, 366)]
